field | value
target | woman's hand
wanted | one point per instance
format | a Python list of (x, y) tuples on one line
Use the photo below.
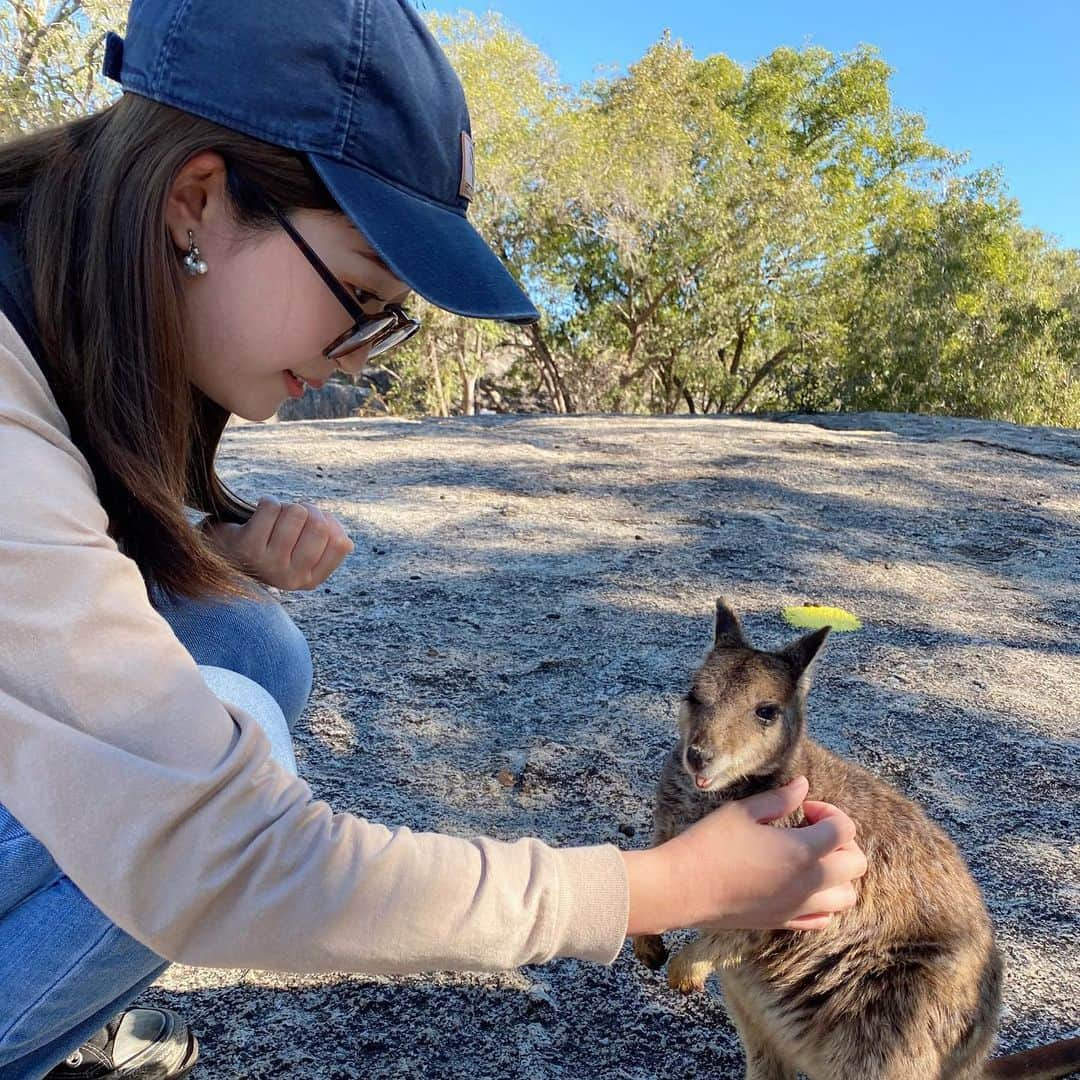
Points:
[(732, 870), (287, 545)]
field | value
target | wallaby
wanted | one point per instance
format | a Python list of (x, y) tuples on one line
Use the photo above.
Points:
[(904, 986)]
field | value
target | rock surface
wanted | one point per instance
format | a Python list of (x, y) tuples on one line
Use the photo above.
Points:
[(504, 651), (330, 402)]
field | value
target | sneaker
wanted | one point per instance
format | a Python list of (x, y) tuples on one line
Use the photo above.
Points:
[(140, 1044)]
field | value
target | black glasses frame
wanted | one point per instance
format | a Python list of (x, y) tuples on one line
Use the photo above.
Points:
[(384, 331), (390, 327)]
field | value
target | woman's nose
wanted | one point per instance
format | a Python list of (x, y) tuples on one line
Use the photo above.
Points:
[(355, 362)]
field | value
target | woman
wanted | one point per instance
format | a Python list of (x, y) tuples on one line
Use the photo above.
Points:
[(250, 216)]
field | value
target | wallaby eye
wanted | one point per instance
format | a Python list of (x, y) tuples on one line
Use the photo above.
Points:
[(691, 698), (767, 714)]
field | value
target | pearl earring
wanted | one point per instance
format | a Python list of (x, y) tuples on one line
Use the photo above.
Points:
[(193, 260)]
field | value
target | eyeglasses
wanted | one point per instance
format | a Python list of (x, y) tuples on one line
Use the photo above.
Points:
[(383, 331)]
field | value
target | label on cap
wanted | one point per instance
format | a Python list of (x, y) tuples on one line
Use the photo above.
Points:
[(468, 167), (114, 56)]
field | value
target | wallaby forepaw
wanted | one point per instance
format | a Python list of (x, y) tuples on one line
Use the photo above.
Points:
[(685, 983), (687, 971), (651, 950)]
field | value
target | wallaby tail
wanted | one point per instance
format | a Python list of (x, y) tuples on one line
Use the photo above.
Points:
[(1048, 1062)]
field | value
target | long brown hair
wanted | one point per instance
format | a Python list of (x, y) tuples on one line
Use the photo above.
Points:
[(90, 198)]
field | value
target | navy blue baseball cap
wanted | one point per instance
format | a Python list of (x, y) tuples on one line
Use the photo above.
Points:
[(362, 89)]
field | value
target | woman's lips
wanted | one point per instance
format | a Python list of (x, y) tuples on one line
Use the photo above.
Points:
[(294, 385), (304, 380)]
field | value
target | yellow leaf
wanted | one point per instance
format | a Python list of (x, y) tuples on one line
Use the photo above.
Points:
[(812, 616)]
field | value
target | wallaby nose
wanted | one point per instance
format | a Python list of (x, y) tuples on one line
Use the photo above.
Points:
[(697, 758)]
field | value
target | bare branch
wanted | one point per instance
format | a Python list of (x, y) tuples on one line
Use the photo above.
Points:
[(762, 373)]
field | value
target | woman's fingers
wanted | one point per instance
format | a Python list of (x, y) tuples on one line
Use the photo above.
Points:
[(809, 922), (815, 811), (777, 803), (310, 546), (824, 904), (845, 864), (338, 546), (734, 869), (831, 834), (258, 528), (290, 524), (288, 546), (829, 828)]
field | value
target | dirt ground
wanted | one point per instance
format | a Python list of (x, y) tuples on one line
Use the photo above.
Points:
[(504, 651)]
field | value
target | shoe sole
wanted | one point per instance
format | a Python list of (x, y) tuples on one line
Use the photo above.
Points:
[(190, 1060)]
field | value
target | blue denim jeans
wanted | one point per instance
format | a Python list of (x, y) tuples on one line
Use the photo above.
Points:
[(65, 968)]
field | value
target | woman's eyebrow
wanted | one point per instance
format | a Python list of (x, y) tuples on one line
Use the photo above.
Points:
[(373, 258)]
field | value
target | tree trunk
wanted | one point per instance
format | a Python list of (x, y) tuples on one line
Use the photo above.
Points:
[(759, 375), (468, 365), (468, 392), (436, 374), (549, 370), (740, 344)]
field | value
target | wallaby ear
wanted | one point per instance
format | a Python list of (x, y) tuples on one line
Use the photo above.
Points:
[(728, 631), (800, 654)]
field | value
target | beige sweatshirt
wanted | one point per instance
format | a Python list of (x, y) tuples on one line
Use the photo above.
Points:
[(163, 805)]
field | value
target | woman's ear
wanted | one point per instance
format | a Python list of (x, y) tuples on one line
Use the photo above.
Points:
[(197, 199)]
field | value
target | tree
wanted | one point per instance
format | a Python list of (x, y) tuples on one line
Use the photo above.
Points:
[(50, 56), (518, 110), (720, 217), (698, 235), (967, 312), (714, 238)]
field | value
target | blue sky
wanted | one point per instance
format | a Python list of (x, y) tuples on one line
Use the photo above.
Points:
[(1001, 81)]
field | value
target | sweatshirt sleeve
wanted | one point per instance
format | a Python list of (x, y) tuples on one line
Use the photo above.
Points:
[(163, 805)]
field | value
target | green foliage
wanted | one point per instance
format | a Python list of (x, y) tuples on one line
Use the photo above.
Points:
[(50, 56), (719, 219), (519, 112), (966, 312), (707, 237), (699, 235)]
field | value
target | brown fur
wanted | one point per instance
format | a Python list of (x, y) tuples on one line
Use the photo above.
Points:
[(906, 985)]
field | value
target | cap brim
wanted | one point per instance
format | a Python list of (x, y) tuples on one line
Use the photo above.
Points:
[(434, 251)]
